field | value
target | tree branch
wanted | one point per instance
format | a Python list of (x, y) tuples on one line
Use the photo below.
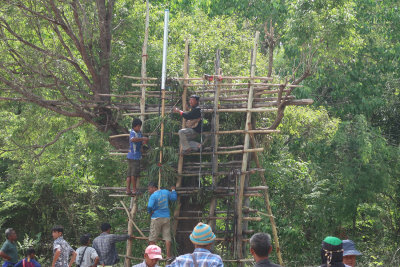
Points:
[(59, 134)]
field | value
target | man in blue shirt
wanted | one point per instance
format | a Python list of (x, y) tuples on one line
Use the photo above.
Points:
[(29, 260), (134, 156), (159, 211)]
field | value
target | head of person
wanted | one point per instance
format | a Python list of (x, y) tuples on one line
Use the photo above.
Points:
[(30, 253), (152, 255), (194, 100), (57, 231), (260, 246), (11, 235), (152, 187), (350, 252), (331, 251), (105, 227), (202, 236), (136, 124), (85, 240)]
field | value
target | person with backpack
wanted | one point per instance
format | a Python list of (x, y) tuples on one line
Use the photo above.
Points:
[(86, 255), (29, 260)]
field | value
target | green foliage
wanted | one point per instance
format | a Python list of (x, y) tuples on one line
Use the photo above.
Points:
[(333, 170)]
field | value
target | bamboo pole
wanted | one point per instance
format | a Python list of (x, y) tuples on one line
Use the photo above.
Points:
[(163, 78), (131, 216), (253, 219), (246, 147), (144, 66), (215, 140), (267, 203), (184, 107), (133, 205), (131, 219), (210, 153)]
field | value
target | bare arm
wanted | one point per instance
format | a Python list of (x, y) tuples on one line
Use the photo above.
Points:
[(96, 262), (73, 257), (5, 256), (139, 139), (56, 256)]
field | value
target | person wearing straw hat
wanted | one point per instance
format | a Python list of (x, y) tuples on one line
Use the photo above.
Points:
[(349, 253), (203, 238), (260, 248), (332, 252), (152, 255)]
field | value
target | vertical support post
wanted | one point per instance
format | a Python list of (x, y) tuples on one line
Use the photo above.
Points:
[(184, 107), (143, 70), (133, 204), (267, 204), (215, 128), (245, 155), (163, 77), (132, 212)]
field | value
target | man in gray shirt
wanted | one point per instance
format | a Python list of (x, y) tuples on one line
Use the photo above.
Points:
[(86, 256), (104, 245)]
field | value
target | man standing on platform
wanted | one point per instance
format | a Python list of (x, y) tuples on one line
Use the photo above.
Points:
[(158, 208), (134, 156), (260, 248), (193, 126), (203, 238), (9, 250), (104, 245)]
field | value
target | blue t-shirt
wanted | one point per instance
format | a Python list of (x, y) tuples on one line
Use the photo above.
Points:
[(134, 150), (158, 203), (35, 263)]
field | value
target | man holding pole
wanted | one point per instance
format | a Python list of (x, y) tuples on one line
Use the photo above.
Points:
[(193, 126), (158, 209)]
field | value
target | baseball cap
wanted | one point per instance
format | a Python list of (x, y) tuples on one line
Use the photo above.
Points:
[(154, 252)]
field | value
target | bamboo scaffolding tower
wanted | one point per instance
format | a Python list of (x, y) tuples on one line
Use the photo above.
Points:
[(226, 164)]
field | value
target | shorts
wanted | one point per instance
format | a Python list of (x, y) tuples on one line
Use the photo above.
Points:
[(160, 225), (133, 167)]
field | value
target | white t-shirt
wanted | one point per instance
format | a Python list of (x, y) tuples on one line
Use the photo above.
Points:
[(88, 258)]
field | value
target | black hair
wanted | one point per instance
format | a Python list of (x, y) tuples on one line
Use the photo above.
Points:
[(84, 239), (105, 226), (58, 228), (195, 97), (261, 244), (136, 122), (153, 184), (30, 251)]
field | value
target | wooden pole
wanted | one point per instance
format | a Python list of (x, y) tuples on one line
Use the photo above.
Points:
[(184, 107), (245, 155), (163, 79), (133, 205), (215, 128), (131, 217), (143, 70), (267, 204)]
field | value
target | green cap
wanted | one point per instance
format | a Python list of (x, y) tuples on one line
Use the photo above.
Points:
[(334, 241)]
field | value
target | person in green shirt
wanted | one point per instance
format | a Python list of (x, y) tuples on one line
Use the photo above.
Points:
[(9, 250)]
